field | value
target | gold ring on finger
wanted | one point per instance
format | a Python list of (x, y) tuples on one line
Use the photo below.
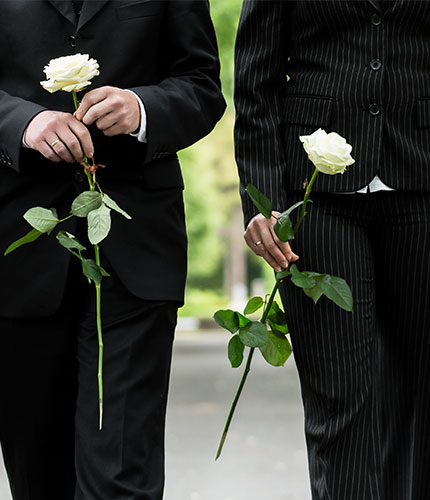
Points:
[(54, 143), (258, 243)]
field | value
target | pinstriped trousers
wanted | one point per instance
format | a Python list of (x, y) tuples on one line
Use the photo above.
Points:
[(365, 376)]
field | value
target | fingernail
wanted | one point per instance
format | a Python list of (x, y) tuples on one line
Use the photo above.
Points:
[(285, 263), (91, 154)]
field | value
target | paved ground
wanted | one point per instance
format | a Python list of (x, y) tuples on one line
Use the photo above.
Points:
[(264, 457)]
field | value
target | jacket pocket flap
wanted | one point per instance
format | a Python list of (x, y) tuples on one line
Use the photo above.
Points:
[(423, 113), (138, 9), (305, 110), (163, 174)]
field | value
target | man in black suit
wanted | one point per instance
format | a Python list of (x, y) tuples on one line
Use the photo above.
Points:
[(359, 68), (158, 92)]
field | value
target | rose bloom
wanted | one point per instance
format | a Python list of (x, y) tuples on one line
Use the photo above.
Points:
[(330, 153), (70, 73)]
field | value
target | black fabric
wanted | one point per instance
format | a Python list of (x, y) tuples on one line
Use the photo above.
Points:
[(327, 49), (364, 375), (177, 78), (166, 53), (359, 69), (41, 392), (77, 4)]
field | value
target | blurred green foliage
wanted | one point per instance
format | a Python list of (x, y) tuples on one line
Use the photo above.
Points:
[(211, 181), (225, 16)]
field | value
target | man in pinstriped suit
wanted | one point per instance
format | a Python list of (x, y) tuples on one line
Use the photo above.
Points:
[(362, 69)]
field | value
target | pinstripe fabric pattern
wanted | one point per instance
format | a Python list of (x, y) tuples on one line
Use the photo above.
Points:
[(365, 376), (332, 85), (360, 68)]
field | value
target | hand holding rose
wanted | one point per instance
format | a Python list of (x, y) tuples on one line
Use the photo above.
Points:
[(59, 137), (113, 110), (330, 154), (263, 241), (64, 137)]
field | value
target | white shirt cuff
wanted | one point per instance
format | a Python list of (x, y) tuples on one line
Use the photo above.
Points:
[(141, 134)]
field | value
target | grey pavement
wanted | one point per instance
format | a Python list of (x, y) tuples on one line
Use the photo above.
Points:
[(264, 457)]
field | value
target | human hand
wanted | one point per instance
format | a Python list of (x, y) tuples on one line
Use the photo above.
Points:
[(262, 240), (113, 110), (59, 137)]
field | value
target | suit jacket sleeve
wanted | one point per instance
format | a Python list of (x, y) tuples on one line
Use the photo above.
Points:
[(260, 78), (187, 102), (15, 114)]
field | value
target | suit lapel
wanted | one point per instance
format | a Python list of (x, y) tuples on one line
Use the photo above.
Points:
[(376, 4), (89, 10), (65, 7)]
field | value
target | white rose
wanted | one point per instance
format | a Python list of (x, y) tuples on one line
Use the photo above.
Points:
[(330, 153), (70, 73)]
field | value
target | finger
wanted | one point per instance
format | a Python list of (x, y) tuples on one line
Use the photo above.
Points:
[(89, 100), (107, 121), (284, 246), (271, 261), (272, 247), (84, 137), (61, 150), (47, 151), (257, 246), (253, 239), (73, 144), (97, 112), (116, 129)]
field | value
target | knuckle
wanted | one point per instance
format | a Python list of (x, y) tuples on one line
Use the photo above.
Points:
[(259, 222), (117, 101), (88, 100), (73, 142)]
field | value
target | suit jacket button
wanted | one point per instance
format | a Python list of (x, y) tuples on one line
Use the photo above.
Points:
[(376, 64), (374, 109), (72, 40), (376, 19), (79, 176)]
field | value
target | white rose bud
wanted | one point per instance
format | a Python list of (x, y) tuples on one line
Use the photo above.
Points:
[(330, 153), (70, 73)]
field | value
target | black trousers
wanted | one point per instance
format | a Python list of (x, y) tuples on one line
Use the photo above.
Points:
[(365, 376), (49, 432)]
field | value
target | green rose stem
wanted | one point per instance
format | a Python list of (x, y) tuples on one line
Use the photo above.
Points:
[(246, 371), (92, 184), (262, 320), (100, 339), (305, 200), (86, 161)]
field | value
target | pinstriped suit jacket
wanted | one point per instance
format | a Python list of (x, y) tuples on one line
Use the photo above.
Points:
[(353, 68)]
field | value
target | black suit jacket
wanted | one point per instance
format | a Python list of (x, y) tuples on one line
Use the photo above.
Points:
[(165, 51), (359, 68)]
